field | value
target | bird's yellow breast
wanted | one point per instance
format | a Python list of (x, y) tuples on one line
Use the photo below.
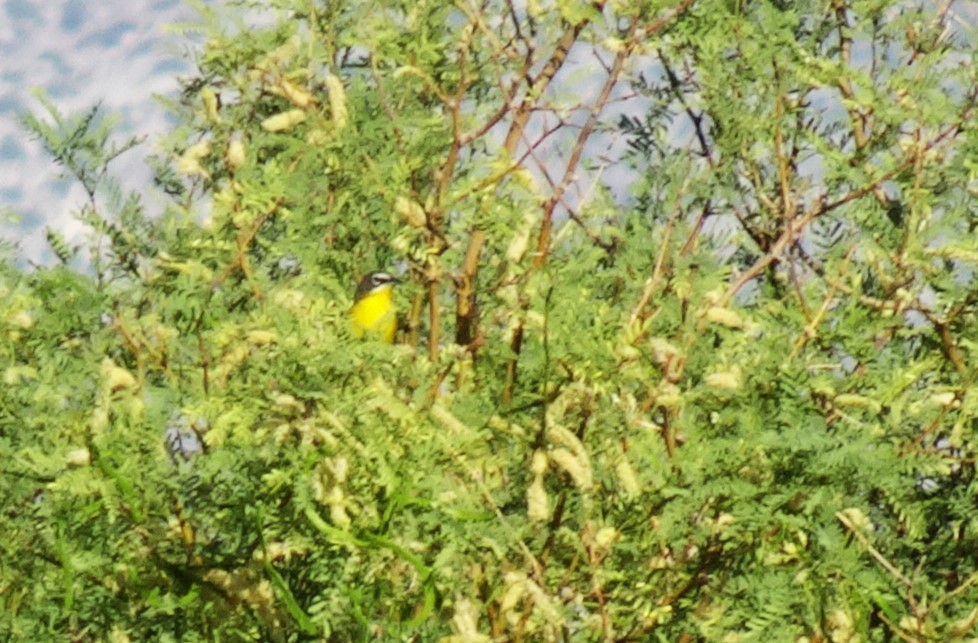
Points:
[(373, 315)]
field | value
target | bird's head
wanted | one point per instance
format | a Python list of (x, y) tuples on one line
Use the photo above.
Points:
[(374, 283)]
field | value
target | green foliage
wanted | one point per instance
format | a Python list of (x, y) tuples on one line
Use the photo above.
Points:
[(687, 347)]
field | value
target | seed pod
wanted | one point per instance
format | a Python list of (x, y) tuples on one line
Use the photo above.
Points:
[(236, 155), (724, 317), (283, 120), (537, 501), (337, 101)]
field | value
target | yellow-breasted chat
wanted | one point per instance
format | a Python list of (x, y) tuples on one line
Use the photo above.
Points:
[(373, 313)]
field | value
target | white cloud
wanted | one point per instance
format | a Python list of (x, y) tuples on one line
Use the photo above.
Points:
[(80, 53)]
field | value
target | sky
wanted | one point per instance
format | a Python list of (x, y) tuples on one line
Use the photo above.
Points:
[(80, 53), (118, 53)]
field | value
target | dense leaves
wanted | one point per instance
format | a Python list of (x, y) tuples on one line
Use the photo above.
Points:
[(688, 318)]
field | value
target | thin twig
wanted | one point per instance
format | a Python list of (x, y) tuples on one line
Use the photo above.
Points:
[(880, 558)]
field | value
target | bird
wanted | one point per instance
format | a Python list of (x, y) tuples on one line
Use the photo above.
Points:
[(373, 313)]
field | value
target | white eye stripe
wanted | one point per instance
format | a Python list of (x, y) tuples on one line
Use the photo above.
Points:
[(374, 282)]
